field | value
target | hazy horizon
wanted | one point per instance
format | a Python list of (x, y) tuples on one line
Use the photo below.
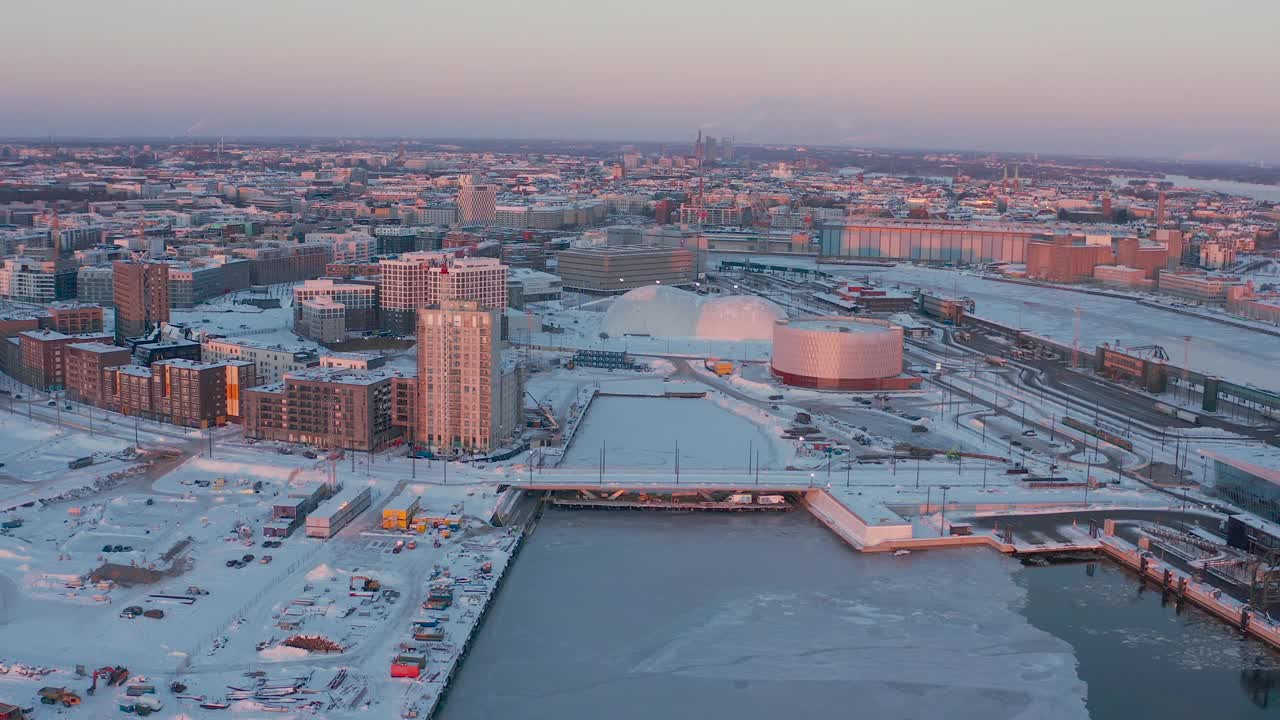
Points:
[(1144, 79)]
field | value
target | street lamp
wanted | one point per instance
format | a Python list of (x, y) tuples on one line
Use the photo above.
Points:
[(942, 525)]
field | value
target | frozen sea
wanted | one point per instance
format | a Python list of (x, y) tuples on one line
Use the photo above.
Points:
[(644, 433), (654, 615), (642, 615)]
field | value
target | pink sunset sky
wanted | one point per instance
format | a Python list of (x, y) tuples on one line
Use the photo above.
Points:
[(1140, 77)]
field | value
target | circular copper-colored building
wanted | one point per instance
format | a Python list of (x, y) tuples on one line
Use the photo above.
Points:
[(839, 353)]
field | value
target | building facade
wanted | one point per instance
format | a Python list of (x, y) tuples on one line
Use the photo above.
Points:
[(326, 407), (141, 297), (271, 361), (477, 203), (465, 400), (619, 269)]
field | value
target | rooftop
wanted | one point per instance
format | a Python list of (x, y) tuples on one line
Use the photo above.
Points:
[(839, 324), (345, 376)]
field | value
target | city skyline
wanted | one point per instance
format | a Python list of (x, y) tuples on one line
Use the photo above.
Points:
[(1142, 80)]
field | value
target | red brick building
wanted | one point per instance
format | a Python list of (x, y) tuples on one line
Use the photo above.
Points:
[(43, 352), (85, 363), (75, 318), (182, 392), (326, 407), (141, 294)]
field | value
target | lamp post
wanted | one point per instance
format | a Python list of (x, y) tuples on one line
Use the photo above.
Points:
[(942, 525)]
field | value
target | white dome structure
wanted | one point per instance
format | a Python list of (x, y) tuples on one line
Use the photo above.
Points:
[(656, 310), (662, 311), (738, 317)]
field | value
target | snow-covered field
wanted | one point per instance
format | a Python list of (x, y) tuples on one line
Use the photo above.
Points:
[(273, 325)]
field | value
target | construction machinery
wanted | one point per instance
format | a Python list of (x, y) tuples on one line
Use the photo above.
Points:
[(360, 583), (110, 675), (58, 695)]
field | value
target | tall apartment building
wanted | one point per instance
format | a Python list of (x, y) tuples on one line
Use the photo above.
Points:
[(141, 295), (465, 399), (477, 203), (418, 280)]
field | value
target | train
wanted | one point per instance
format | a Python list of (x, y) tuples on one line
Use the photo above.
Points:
[(1179, 413), (1098, 433)]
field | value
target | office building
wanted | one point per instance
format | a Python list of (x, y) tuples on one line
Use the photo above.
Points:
[(1200, 287), (477, 203), (355, 300), (95, 284), (141, 297), (928, 241), (619, 269)]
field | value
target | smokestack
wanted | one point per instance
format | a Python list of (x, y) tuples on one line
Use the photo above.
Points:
[(1160, 209)]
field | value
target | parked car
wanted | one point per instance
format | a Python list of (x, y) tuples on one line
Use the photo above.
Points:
[(1029, 433), (52, 403), (266, 559), (248, 558)]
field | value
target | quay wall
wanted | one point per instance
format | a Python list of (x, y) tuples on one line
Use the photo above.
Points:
[(848, 524)]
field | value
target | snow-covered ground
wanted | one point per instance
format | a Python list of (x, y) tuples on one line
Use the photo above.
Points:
[(1233, 353), (583, 329), (1236, 354), (222, 317)]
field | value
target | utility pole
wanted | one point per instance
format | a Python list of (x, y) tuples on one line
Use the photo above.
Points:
[(942, 524), (917, 472), (1075, 343)]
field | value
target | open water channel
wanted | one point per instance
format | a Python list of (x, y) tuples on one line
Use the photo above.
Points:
[(652, 615)]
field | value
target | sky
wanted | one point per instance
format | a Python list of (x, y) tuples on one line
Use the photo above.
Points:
[(1156, 78)]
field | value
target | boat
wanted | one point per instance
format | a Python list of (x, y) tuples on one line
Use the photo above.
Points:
[(215, 705), (900, 553)]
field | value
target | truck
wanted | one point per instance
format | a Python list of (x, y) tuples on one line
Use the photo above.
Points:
[(58, 695), (740, 499), (720, 367)]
